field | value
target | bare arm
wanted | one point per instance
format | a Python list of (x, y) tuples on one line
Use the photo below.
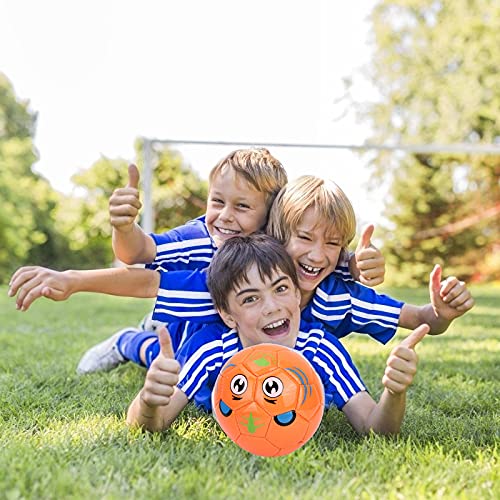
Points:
[(33, 282), (449, 300), (159, 402), (130, 243), (386, 416)]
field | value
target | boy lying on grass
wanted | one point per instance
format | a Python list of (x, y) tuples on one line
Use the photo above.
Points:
[(254, 287), (315, 221)]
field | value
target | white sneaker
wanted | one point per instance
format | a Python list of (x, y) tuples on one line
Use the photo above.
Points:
[(103, 357), (148, 324)]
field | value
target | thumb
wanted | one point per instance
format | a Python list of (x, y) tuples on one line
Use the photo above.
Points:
[(416, 336), (165, 343), (366, 236), (133, 176), (435, 280)]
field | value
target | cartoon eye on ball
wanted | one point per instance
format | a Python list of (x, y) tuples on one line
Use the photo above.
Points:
[(268, 399)]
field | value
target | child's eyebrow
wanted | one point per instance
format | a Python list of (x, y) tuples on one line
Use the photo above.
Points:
[(253, 290)]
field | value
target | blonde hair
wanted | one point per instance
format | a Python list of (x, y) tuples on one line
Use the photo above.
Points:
[(258, 167), (329, 201)]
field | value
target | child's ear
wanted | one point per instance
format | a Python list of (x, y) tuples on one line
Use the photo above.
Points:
[(227, 318)]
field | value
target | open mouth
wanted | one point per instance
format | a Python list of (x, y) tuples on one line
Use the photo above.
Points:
[(311, 271), (227, 232), (280, 327)]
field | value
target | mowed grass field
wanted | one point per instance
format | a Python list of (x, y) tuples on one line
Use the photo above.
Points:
[(64, 437)]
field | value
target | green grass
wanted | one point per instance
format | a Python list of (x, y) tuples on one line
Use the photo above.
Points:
[(64, 436)]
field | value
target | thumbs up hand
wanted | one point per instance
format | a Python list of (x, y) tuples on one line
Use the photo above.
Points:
[(163, 374), (369, 262), (402, 362), (450, 298), (124, 203)]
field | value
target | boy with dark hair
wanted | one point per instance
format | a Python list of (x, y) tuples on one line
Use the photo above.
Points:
[(254, 286)]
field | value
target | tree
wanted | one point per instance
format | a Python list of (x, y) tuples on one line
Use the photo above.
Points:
[(28, 202), (436, 68), (178, 196)]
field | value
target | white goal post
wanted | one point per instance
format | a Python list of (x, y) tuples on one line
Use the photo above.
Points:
[(147, 219)]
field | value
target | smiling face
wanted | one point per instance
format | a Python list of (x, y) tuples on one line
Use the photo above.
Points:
[(264, 311), (315, 248), (234, 208)]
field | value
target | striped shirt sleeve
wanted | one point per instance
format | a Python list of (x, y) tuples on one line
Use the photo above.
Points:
[(348, 306), (183, 248), (201, 359), (183, 295), (334, 365)]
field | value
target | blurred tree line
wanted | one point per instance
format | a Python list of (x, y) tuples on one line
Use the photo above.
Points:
[(436, 65), (40, 226)]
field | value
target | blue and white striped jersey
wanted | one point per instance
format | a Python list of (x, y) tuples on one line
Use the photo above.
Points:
[(205, 353), (342, 306), (186, 247), (183, 295)]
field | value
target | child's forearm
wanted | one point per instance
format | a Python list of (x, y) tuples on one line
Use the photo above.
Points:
[(140, 414), (155, 418), (134, 246), (413, 316), (384, 417), (387, 416), (125, 282)]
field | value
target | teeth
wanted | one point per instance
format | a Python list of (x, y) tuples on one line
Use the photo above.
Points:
[(227, 231), (276, 324), (310, 269)]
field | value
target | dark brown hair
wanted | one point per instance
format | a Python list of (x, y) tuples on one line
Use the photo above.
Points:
[(231, 263)]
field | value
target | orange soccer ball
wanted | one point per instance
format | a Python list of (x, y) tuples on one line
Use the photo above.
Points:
[(268, 399)]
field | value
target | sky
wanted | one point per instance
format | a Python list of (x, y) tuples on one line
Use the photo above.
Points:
[(102, 73)]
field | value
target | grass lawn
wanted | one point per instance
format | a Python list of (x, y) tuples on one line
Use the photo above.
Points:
[(64, 436)]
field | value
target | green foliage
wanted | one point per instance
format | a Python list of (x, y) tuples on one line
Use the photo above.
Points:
[(436, 67), (64, 436), (27, 229), (179, 194)]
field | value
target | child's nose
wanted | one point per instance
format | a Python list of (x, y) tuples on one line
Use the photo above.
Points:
[(316, 253), (227, 213), (270, 306)]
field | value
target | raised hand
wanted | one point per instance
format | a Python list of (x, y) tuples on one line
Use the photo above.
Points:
[(33, 282), (124, 203), (402, 362), (369, 260), (163, 374), (449, 298)]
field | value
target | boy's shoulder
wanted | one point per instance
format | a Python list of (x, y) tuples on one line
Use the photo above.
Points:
[(191, 230), (333, 289), (313, 336), (210, 340)]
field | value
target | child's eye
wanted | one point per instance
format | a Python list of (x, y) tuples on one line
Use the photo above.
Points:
[(249, 299), (304, 237), (243, 205), (282, 288), (334, 243), (217, 201)]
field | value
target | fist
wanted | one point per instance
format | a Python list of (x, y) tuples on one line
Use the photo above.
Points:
[(124, 203), (163, 374), (402, 362), (369, 260)]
